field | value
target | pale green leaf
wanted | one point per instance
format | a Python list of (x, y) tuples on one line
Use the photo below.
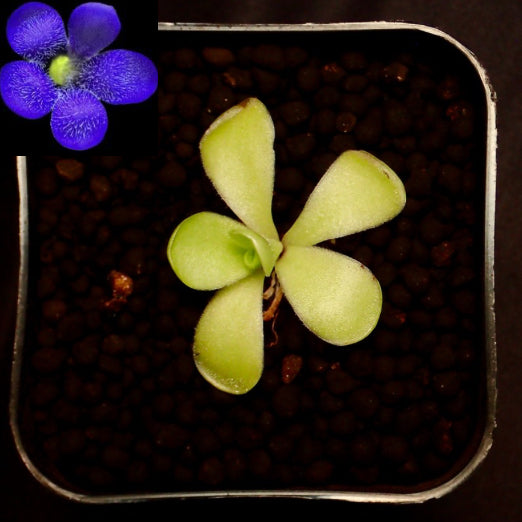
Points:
[(237, 152), (228, 343), (335, 296), (356, 193), (208, 251)]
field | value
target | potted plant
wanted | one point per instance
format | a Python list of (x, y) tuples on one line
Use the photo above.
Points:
[(112, 406)]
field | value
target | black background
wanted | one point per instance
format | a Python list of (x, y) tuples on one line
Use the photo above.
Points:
[(493, 31)]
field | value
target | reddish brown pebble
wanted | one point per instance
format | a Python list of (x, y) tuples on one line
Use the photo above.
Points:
[(188, 105), (238, 78), (396, 72), (44, 392), (394, 448), (269, 56), (127, 215), (343, 423), (286, 401), (300, 146), (110, 364), (442, 357), (345, 122), (122, 287), (217, 56), (364, 402), (295, 112), (332, 72), (292, 365), (259, 462), (171, 436), (416, 278), (221, 98), (446, 384), (363, 449), (86, 351), (100, 187), (235, 464), (212, 471), (308, 78), (72, 441), (46, 181), (353, 61), (54, 309), (339, 381), (114, 457), (355, 83), (267, 82), (127, 178), (441, 254), (185, 58), (47, 360), (70, 169), (113, 344), (449, 88)]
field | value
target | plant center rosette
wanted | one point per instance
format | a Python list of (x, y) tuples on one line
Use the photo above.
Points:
[(335, 296)]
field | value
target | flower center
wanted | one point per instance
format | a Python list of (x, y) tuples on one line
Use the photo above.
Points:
[(61, 69)]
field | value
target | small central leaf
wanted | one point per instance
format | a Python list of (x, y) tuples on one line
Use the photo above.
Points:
[(248, 250), (257, 250)]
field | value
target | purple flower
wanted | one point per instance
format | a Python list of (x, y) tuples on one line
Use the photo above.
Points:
[(66, 74)]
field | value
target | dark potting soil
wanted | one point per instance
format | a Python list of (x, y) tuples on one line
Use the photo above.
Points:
[(112, 401)]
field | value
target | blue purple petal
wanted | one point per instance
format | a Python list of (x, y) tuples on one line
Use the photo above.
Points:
[(120, 77), (36, 31), (26, 89), (92, 27), (79, 120)]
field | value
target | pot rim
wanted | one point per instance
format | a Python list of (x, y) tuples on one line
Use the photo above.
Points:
[(489, 300)]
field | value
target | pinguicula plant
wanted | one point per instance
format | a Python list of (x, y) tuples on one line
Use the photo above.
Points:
[(66, 74), (335, 296)]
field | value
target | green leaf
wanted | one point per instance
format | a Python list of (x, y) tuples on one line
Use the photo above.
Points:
[(228, 343), (208, 251), (237, 152), (356, 193), (335, 296)]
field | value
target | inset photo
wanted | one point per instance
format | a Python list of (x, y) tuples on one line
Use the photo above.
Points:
[(78, 77)]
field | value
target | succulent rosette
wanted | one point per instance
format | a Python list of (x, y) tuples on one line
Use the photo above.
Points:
[(335, 296), (69, 74)]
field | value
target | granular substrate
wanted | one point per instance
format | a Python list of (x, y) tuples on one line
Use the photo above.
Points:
[(111, 400)]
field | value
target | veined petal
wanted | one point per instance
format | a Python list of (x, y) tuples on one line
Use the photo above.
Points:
[(79, 120), (356, 193), (238, 156), (228, 343), (27, 90), (120, 76), (36, 31), (92, 27), (208, 251), (335, 296)]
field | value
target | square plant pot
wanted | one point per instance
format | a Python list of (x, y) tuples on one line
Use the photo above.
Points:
[(106, 402)]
